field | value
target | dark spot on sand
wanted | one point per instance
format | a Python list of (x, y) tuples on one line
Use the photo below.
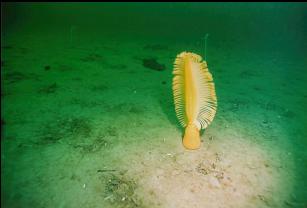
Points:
[(48, 89), (136, 109), (70, 127), (95, 146), (256, 88), (152, 63), (76, 79), (78, 126), (105, 170), (13, 77), (100, 88), (7, 47), (47, 68), (92, 57), (112, 131)]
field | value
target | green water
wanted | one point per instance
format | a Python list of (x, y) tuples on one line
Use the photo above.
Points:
[(87, 123)]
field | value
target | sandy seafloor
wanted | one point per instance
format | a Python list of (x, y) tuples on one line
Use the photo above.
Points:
[(98, 129)]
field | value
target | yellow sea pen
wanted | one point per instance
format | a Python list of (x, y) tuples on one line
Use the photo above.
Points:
[(194, 96)]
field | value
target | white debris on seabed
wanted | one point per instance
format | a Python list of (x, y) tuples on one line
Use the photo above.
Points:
[(214, 182)]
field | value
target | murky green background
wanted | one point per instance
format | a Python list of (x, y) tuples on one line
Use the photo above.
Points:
[(267, 40)]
